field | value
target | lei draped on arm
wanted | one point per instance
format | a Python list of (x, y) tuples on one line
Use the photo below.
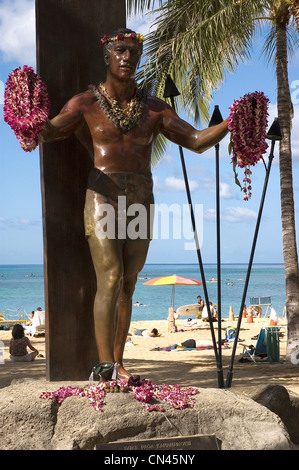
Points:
[(26, 106)]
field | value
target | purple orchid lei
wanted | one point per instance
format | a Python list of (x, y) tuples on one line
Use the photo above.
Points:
[(247, 124), (144, 391), (26, 106)]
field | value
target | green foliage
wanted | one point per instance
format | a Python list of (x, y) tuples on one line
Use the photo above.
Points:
[(199, 42)]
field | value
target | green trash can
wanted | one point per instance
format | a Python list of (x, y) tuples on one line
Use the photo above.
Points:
[(272, 340)]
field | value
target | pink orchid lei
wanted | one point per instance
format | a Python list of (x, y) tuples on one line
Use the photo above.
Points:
[(26, 106), (144, 391), (247, 124)]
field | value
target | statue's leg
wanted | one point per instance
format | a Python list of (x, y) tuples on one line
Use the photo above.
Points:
[(106, 252), (134, 257), (107, 260), (117, 262)]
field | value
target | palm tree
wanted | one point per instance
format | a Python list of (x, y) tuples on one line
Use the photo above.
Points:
[(198, 42), (280, 20)]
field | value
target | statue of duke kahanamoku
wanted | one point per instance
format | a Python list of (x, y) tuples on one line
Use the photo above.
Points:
[(123, 125)]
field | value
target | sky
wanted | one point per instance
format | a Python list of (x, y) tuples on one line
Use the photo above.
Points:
[(21, 238)]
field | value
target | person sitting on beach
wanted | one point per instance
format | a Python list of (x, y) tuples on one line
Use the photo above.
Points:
[(18, 346), (257, 310), (143, 332), (30, 315), (129, 341), (214, 311)]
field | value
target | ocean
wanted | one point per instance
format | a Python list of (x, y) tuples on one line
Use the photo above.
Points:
[(22, 288)]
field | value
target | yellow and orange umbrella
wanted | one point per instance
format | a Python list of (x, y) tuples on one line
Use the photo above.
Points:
[(173, 280)]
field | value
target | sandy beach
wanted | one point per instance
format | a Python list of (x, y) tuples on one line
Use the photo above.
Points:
[(189, 367)]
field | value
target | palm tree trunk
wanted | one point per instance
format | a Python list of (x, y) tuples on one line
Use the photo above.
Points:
[(287, 200)]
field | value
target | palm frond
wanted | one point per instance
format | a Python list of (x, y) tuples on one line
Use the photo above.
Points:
[(269, 48), (197, 42), (191, 43), (134, 7), (159, 150)]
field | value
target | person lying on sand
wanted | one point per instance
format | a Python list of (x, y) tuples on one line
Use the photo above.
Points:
[(143, 332), (188, 344)]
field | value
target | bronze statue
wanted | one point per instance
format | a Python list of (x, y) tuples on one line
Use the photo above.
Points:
[(123, 125)]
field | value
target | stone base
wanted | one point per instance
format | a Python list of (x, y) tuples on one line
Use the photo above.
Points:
[(28, 422)]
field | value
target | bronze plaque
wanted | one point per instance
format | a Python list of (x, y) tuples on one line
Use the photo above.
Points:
[(185, 443)]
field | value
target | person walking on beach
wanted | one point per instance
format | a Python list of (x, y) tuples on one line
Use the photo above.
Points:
[(201, 305), (18, 346), (123, 125)]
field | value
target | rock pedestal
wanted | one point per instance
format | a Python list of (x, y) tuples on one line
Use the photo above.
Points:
[(28, 422)]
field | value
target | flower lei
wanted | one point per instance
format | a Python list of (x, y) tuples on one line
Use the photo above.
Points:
[(247, 124), (144, 391), (120, 37), (26, 106), (124, 120)]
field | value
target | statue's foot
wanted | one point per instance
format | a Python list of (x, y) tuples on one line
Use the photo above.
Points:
[(125, 376), (104, 371)]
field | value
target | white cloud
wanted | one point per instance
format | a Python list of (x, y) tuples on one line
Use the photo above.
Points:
[(238, 214), (143, 24), (210, 214), (19, 223), (294, 86), (232, 214), (17, 31), (178, 184), (225, 188)]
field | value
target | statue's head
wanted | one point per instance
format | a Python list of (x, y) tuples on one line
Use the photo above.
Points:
[(120, 35)]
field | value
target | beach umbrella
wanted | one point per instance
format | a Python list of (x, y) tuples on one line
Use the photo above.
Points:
[(173, 280)]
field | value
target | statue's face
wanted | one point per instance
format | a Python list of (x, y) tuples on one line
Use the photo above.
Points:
[(124, 58)]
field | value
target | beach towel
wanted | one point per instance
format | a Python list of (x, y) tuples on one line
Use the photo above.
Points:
[(179, 348), (200, 348)]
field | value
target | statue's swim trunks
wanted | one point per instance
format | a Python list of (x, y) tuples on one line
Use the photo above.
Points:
[(119, 205)]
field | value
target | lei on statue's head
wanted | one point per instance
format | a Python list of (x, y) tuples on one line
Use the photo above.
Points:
[(247, 124), (120, 35)]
